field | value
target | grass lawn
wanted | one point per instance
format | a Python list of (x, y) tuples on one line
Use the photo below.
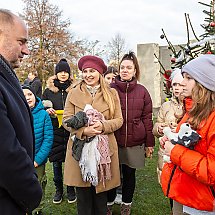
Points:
[(148, 197)]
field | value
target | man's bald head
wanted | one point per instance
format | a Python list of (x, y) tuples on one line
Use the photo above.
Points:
[(6, 18), (13, 38)]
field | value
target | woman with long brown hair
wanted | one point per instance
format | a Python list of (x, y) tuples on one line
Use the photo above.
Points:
[(190, 177)]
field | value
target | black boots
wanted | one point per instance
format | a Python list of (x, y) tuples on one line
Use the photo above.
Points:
[(71, 196), (58, 195)]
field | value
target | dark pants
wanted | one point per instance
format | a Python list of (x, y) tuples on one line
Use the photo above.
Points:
[(119, 189), (58, 174), (90, 203), (128, 185), (41, 173)]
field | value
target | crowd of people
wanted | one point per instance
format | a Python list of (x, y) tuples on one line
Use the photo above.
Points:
[(97, 132)]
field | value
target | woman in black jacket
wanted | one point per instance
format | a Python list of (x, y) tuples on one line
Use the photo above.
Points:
[(54, 98)]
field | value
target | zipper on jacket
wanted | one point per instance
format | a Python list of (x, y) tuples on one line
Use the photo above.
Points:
[(126, 114), (62, 97), (212, 190), (170, 179)]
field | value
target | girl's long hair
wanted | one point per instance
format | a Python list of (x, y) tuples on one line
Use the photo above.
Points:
[(203, 105), (108, 96), (131, 56)]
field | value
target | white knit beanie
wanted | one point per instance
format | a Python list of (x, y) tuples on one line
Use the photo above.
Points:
[(202, 69), (176, 76)]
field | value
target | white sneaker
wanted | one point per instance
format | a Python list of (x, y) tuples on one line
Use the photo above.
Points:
[(118, 199)]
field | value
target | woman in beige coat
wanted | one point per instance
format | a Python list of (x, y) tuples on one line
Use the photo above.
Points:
[(94, 91)]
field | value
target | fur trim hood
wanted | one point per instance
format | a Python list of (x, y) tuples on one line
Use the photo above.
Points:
[(50, 84)]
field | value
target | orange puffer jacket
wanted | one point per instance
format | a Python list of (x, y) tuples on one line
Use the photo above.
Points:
[(190, 178)]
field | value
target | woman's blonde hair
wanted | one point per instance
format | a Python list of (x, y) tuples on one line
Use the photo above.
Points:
[(108, 96), (203, 105)]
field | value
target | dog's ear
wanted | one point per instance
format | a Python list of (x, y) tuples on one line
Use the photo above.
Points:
[(195, 137)]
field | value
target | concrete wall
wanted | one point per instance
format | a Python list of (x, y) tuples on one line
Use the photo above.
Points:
[(149, 67)]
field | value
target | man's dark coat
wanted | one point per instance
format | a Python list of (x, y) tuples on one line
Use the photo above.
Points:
[(20, 191)]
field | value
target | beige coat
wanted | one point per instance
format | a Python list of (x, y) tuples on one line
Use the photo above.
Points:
[(167, 114), (77, 98)]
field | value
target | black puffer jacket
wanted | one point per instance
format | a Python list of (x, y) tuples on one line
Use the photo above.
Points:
[(58, 97)]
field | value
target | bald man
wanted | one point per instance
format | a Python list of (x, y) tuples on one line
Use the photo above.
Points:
[(20, 191)]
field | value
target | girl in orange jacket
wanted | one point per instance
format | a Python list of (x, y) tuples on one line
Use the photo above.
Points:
[(190, 177)]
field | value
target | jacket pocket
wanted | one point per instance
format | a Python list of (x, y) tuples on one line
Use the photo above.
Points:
[(138, 130)]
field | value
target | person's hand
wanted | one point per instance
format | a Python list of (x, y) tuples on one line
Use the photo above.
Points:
[(149, 151), (35, 164), (168, 148), (173, 126), (51, 111), (162, 141), (161, 127), (91, 131), (173, 129), (98, 125)]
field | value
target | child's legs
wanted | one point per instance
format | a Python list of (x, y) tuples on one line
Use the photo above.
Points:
[(58, 174), (40, 170)]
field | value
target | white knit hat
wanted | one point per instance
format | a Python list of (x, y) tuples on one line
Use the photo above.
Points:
[(176, 76), (202, 69)]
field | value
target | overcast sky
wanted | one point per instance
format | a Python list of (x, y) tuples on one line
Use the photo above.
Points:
[(138, 21)]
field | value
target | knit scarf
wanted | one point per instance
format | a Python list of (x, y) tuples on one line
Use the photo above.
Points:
[(62, 86), (95, 158), (93, 90), (89, 162)]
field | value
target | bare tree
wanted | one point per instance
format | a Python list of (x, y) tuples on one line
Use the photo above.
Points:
[(49, 38), (116, 48), (93, 48)]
